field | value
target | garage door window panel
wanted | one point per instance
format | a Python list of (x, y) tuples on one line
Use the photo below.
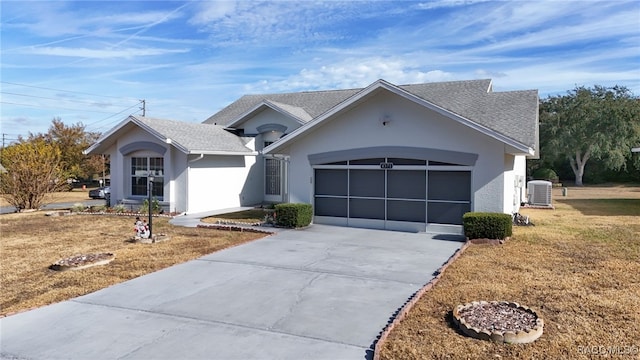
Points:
[(335, 207), (366, 209), (412, 211), (406, 184), (366, 183), (450, 185), (332, 182), (398, 161), (372, 161), (447, 213)]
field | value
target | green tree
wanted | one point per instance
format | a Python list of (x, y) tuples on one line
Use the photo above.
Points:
[(590, 123), (32, 172), (72, 140)]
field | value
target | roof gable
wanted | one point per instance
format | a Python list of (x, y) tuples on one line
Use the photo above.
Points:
[(469, 102), (190, 138), (313, 103), (296, 113)]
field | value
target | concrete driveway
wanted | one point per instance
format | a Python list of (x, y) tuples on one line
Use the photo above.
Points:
[(319, 293)]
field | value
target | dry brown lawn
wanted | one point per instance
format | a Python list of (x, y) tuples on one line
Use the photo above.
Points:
[(579, 267), (30, 242), (58, 197)]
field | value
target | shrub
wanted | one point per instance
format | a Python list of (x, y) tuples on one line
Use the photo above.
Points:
[(546, 174), (78, 207), (481, 225), (98, 208), (293, 215), (120, 208), (155, 206)]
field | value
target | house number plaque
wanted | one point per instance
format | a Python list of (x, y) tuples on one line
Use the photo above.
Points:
[(386, 165)]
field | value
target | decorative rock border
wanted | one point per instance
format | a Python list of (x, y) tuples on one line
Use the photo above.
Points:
[(59, 213), (80, 262), (122, 214), (515, 336), (488, 241), (234, 228)]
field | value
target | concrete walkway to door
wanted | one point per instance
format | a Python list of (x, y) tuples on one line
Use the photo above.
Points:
[(319, 293)]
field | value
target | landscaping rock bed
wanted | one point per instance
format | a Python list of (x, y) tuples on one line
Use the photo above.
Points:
[(498, 321), (83, 261), (154, 239)]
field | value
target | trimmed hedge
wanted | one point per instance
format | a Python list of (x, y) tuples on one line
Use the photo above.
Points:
[(293, 215), (486, 225)]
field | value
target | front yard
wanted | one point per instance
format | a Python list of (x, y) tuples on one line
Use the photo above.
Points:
[(30, 242), (579, 268)]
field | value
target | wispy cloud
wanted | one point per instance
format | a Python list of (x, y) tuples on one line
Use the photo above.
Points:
[(126, 53), (190, 58)]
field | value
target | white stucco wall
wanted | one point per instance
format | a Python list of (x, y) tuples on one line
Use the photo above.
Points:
[(120, 163), (220, 182), (179, 185), (514, 166), (410, 125)]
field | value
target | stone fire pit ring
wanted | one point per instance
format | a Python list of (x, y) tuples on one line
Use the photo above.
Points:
[(498, 321)]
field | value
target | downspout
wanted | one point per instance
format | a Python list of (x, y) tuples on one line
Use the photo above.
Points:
[(196, 159)]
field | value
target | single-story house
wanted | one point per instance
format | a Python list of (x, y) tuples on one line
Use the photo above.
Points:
[(402, 157)]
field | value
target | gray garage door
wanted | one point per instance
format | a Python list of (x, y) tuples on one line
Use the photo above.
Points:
[(391, 193)]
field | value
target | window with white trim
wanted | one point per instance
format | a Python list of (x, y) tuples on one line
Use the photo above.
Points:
[(141, 167), (272, 169)]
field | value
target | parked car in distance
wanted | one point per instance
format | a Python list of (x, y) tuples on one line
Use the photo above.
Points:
[(99, 193)]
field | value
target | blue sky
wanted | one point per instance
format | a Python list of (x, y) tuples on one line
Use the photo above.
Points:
[(91, 61)]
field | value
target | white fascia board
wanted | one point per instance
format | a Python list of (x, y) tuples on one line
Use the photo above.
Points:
[(315, 122), (265, 103), (106, 135), (635, 149), (407, 95), (221, 152)]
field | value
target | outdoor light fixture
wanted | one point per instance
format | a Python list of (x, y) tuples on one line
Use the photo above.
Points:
[(150, 191)]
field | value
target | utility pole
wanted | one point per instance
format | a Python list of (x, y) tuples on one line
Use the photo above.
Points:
[(3, 135), (144, 107)]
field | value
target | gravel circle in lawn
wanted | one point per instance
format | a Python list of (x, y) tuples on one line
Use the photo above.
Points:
[(500, 317)]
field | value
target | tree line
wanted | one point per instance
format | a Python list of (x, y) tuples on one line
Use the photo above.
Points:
[(589, 133)]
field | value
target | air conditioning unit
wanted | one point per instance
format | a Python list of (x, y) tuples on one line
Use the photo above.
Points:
[(539, 192)]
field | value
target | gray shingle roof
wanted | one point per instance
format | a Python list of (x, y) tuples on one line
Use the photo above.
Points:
[(295, 111), (193, 137), (313, 103), (512, 113)]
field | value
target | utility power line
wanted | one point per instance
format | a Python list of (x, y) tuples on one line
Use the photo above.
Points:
[(110, 116), (55, 107), (88, 102), (67, 91)]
